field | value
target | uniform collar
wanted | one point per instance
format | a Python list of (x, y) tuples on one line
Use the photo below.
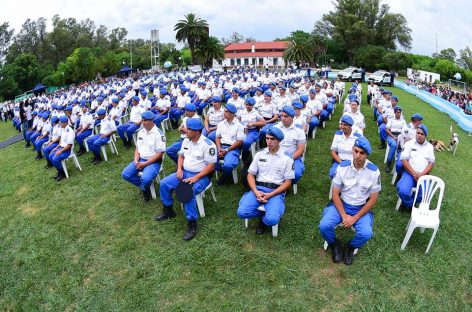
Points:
[(278, 153)]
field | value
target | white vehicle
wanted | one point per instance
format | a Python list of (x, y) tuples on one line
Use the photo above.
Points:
[(195, 68), (217, 68), (350, 74), (380, 77)]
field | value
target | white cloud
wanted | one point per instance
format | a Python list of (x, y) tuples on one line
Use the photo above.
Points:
[(263, 20)]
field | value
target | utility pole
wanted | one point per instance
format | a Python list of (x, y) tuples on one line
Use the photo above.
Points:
[(436, 43), (130, 55)]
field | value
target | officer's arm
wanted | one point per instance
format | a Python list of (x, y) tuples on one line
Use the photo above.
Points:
[(251, 181), (282, 188), (428, 169), (299, 152), (235, 145), (390, 134), (408, 167), (153, 159), (338, 203), (335, 156), (207, 170), (368, 206), (274, 118), (218, 142), (260, 123)]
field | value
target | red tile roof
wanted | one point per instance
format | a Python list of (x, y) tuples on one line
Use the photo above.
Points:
[(258, 45), (250, 54)]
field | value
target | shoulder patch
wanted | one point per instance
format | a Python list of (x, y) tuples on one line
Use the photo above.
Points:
[(208, 141), (357, 134), (159, 130), (372, 167), (345, 163), (339, 132)]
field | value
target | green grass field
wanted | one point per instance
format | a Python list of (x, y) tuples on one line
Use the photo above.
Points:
[(90, 242), (7, 130)]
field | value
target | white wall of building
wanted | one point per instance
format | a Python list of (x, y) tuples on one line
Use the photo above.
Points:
[(252, 61), (422, 75)]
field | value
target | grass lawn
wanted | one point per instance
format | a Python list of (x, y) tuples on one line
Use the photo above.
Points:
[(90, 242), (7, 130)]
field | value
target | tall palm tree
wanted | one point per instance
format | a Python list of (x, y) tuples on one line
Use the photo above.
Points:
[(208, 50), (192, 30), (299, 51)]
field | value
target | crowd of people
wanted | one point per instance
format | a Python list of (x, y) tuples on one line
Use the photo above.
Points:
[(261, 119), (461, 99)]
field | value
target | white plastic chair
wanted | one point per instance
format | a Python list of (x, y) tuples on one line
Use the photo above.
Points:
[(199, 198), (111, 144), (422, 216), (399, 200), (387, 149), (325, 245), (275, 228), (156, 180), (74, 158)]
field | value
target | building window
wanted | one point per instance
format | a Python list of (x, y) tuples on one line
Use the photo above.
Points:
[(261, 61), (246, 62), (232, 62), (275, 61), (254, 61), (238, 61)]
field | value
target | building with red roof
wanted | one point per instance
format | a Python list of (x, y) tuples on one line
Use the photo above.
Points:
[(255, 54)]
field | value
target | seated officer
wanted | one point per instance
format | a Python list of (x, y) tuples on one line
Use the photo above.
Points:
[(55, 137), (85, 128), (408, 133), (418, 160), (46, 131), (293, 144), (393, 129), (356, 187), (269, 176), (213, 117), (196, 163), (150, 147), (95, 142), (252, 121), (173, 150), (229, 139), (343, 141), (63, 150), (134, 122)]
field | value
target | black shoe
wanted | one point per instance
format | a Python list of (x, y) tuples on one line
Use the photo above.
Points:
[(61, 176), (98, 159), (221, 181), (147, 196), (336, 250), (348, 254), (81, 152), (404, 208), (92, 160), (167, 213), (38, 157), (191, 230), (388, 168), (48, 165), (383, 145), (27, 145), (261, 227)]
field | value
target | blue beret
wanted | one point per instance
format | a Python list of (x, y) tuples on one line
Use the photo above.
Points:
[(54, 119), (148, 115), (144, 92), (355, 101), (34, 112), (424, 128), (394, 98), (231, 108), (304, 98), (276, 133), (417, 116), (63, 119), (268, 93), (397, 108), (282, 88), (115, 100), (318, 85), (194, 124), (288, 110), (312, 90), (122, 95), (250, 101), (69, 108), (352, 97), (387, 92), (363, 143), (297, 105), (183, 88), (216, 98), (347, 120), (83, 104), (100, 99), (236, 90), (163, 91), (46, 115), (201, 83), (101, 111), (190, 107), (135, 98), (259, 89)]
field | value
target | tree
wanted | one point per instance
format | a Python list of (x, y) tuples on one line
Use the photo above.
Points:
[(446, 54), (82, 64), (117, 37), (192, 30), (465, 58), (298, 51), (234, 38), (369, 57), (5, 38), (26, 71), (397, 61), (357, 23), (208, 50), (446, 69)]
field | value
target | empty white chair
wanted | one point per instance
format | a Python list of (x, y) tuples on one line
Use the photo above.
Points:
[(422, 216), (74, 158), (275, 228)]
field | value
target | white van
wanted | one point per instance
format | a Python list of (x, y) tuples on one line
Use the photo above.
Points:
[(350, 74), (380, 77)]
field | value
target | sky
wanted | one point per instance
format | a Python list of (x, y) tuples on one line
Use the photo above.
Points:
[(448, 21)]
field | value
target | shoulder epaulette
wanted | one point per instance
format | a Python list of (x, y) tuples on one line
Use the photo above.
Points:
[(345, 163), (208, 141), (357, 134), (339, 132), (372, 167)]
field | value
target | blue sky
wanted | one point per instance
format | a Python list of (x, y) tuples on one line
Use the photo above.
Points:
[(263, 20)]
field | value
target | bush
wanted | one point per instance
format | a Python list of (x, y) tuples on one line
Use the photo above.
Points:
[(369, 57)]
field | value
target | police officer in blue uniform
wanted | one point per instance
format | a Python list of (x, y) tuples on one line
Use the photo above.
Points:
[(269, 176), (195, 165), (343, 141), (356, 187), (63, 150), (150, 147), (107, 129)]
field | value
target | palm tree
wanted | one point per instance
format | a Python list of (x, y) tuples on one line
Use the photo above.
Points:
[(192, 30), (299, 51), (208, 50)]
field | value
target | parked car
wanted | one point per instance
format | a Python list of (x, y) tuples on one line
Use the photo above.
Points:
[(381, 77), (350, 74), (195, 68), (217, 68)]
